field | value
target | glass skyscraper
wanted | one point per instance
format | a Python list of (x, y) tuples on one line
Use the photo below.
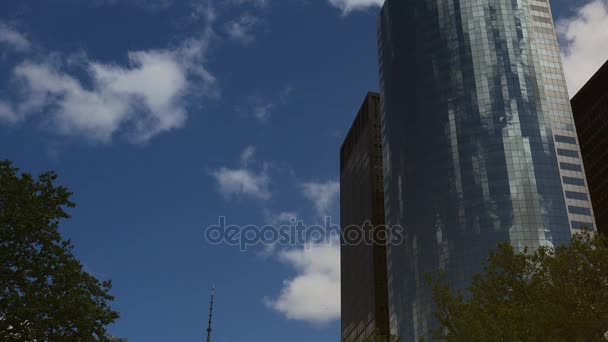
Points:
[(479, 142)]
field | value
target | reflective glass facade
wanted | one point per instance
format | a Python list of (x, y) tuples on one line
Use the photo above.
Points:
[(363, 263), (475, 110)]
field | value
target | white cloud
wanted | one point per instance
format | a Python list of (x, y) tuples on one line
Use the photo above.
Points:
[(346, 6), (313, 295), (13, 39), (278, 220), (147, 97), (7, 113), (248, 155), (283, 217), (241, 29), (584, 40), (263, 109), (255, 3), (324, 196), (243, 181)]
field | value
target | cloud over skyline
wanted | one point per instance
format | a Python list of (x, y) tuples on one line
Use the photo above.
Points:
[(241, 29), (243, 181), (313, 295), (161, 84), (584, 40), (262, 108), (347, 6), (13, 39), (143, 99), (323, 195), (97, 100)]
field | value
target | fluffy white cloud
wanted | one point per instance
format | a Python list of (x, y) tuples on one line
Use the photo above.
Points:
[(324, 196), (248, 155), (584, 39), (276, 219), (255, 3), (262, 108), (147, 97), (241, 29), (243, 181), (7, 113), (13, 39), (283, 217), (313, 295), (263, 111), (346, 6)]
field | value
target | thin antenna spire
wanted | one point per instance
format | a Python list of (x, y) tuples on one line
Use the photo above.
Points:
[(210, 315)]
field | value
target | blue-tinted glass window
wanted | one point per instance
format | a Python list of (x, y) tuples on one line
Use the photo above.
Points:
[(579, 210), (577, 195), (582, 225), (565, 139), (574, 181), (565, 127), (571, 167), (567, 153)]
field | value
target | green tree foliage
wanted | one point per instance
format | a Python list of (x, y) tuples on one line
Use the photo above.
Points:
[(379, 337), (45, 295), (554, 295)]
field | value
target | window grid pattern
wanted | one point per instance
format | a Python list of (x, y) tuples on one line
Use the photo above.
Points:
[(487, 75)]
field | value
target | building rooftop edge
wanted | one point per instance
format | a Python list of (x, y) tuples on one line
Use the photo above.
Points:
[(361, 107), (591, 87)]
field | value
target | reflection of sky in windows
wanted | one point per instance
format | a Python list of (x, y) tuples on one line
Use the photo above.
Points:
[(480, 142)]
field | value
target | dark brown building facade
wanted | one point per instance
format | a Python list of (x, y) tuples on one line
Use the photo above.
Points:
[(363, 257), (590, 108)]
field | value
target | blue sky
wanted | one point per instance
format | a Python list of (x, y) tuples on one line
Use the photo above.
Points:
[(162, 115)]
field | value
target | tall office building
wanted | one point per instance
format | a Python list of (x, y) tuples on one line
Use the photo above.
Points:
[(479, 142), (590, 106), (363, 258)]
